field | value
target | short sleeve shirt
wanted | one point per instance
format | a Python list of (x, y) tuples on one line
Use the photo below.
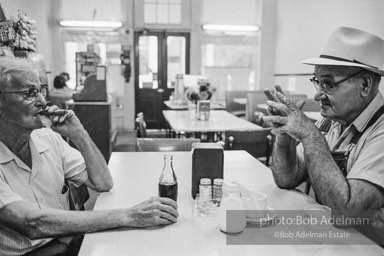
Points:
[(366, 159), (53, 161)]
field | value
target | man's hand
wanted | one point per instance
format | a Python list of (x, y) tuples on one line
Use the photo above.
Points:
[(153, 212), (287, 118), (66, 124)]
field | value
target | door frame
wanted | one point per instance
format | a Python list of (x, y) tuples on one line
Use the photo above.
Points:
[(162, 62)]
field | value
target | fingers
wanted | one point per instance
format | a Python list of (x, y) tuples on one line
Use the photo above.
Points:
[(270, 95), (168, 201), (275, 119), (154, 212), (61, 118), (279, 89), (300, 104), (285, 101)]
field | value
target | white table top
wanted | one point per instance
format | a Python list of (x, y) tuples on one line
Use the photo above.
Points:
[(136, 179), (170, 105), (219, 121)]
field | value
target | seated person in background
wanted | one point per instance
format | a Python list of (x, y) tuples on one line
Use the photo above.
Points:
[(60, 91), (36, 161), (341, 155), (65, 75)]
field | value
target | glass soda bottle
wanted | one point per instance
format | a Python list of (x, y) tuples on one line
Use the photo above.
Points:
[(168, 180)]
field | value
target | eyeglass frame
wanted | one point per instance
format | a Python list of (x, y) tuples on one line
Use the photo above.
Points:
[(30, 94), (319, 84)]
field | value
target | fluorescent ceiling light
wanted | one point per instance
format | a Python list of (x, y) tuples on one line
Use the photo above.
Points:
[(230, 28), (90, 24)]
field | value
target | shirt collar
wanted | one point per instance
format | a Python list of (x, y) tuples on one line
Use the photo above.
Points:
[(7, 155), (362, 120)]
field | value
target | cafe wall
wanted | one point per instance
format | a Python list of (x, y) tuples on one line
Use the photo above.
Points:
[(303, 27), (292, 30)]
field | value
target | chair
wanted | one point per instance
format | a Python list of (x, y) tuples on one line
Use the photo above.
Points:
[(142, 132), (141, 126), (234, 107), (161, 144), (252, 110), (257, 143)]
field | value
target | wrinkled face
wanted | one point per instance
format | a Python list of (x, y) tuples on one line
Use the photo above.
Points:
[(345, 101), (18, 109)]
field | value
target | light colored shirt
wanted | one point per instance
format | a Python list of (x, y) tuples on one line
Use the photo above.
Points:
[(366, 159), (52, 160)]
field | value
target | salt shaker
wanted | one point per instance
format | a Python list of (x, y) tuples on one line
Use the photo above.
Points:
[(205, 189), (217, 190)]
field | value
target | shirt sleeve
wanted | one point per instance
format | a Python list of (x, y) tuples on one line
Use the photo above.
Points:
[(7, 195), (73, 163)]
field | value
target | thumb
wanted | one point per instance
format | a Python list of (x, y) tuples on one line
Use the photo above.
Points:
[(300, 104)]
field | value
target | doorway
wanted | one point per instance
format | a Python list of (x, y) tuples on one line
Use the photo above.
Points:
[(159, 57)]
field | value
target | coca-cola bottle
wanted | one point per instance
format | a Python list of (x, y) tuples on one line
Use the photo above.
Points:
[(168, 180)]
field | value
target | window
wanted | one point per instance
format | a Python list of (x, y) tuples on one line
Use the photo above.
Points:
[(162, 11), (231, 60), (230, 65)]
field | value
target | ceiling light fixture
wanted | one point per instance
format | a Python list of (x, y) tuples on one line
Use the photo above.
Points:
[(230, 29), (90, 24)]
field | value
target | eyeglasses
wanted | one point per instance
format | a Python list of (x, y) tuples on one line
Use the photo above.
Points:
[(330, 87), (31, 93)]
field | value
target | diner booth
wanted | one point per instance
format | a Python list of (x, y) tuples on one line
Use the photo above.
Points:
[(149, 78)]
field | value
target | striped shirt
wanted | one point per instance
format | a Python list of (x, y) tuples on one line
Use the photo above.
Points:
[(52, 160)]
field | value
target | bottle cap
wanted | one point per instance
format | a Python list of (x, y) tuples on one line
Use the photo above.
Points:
[(218, 181), (205, 181)]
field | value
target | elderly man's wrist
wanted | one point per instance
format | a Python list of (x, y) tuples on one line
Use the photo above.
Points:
[(79, 135)]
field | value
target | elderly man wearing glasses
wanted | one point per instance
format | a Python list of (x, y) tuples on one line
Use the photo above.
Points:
[(341, 156), (36, 163)]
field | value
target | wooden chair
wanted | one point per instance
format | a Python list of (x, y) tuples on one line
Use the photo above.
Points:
[(257, 143), (161, 144)]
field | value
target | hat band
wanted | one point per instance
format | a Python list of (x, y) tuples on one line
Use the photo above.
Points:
[(341, 59)]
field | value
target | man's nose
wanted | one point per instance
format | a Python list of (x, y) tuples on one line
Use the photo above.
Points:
[(320, 94), (40, 100)]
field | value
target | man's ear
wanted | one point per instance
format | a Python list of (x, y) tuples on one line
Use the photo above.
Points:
[(366, 85)]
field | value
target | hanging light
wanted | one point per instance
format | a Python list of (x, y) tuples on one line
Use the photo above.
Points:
[(230, 29), (90, 24)]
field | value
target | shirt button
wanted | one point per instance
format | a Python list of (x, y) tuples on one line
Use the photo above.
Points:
[(41, 200)]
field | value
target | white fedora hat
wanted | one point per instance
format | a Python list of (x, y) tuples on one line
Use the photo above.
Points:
[(352, 47)]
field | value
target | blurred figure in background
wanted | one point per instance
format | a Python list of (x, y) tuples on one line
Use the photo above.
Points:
[(60, 92)]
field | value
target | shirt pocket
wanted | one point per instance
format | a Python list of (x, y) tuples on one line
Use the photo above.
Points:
[(63, 197)]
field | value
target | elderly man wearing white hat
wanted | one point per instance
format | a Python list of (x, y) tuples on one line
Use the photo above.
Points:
[(342, 155)]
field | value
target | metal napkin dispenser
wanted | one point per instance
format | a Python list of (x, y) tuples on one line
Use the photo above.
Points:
[(207, 162)]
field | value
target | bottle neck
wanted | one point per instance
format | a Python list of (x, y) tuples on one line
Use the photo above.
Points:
[(168, 175)]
